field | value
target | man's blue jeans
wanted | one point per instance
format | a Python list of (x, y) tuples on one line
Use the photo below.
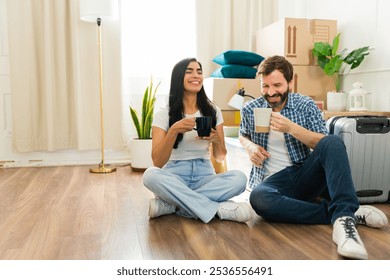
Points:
[(291, 195)]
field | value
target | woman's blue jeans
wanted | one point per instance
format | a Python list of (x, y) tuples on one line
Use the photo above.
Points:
[(193, 186), (291, 195)]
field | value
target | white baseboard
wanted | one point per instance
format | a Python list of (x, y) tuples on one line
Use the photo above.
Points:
[(67, 158)]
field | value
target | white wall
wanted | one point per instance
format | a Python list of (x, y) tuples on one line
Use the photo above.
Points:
[(362, 23)]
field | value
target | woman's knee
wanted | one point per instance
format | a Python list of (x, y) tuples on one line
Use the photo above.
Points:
[(150, 175), (239, 178)]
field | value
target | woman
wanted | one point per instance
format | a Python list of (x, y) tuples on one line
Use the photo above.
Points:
[(183, 178)]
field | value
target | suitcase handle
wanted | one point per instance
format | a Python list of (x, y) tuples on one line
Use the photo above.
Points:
[(378, 125), (369, 193), (365, 123)]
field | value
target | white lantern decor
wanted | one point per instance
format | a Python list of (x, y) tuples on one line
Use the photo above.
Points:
[(357, 98)]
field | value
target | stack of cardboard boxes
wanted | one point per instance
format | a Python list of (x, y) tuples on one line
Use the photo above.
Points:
[(294, 38)]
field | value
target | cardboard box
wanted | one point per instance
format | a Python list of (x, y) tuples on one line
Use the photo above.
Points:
[(231, 117), (294, 38), (220, 90), (312, 81)]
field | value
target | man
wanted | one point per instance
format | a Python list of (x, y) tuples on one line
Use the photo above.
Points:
[(300, 174)]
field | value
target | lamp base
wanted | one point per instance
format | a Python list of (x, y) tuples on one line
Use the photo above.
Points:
[(102, 169)]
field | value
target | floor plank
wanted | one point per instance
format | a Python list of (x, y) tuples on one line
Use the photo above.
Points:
[(68, 213)]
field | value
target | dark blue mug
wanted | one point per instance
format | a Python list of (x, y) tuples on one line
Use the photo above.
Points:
[(203, 126)]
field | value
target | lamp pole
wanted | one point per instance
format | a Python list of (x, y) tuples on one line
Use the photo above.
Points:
[(101, 168)]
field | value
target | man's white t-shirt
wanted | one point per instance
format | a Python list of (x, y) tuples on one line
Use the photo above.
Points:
[(279, 154), (190, 147)]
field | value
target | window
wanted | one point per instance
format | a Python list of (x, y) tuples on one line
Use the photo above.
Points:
[(155, 35)]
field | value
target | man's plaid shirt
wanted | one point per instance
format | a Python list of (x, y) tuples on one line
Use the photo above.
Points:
[(301, 110)]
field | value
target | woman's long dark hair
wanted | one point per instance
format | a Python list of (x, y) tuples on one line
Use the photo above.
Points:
[(176, 93)]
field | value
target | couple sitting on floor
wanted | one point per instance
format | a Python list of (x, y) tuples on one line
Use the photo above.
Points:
[(300, 174)]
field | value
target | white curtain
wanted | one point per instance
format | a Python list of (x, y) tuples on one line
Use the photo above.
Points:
[(55, 78), (229, 24)]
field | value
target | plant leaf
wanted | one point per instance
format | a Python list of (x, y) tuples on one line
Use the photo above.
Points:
[(333, 65), (322, 49), (148, 123), (134, 116), (144, 125), (335, 44), (355, 57)]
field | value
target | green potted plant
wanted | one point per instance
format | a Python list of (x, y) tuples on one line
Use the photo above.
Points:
[(143, 125), (337, 65)]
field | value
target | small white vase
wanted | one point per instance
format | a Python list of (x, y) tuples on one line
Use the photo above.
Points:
[(141, 154), (336, 101)]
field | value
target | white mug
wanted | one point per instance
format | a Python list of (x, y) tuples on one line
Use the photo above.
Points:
[(262, 119)]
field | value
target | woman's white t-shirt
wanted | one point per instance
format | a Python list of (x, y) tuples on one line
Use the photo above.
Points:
[(190, 147)]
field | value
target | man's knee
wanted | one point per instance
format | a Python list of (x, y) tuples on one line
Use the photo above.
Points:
[(260, 199), (331, 142)]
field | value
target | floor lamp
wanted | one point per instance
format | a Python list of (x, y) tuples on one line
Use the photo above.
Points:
[(97, 11)]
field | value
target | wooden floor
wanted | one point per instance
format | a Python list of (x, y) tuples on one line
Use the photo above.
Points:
[(67, 213)]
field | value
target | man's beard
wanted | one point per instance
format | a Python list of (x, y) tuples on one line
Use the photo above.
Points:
[(283, 98)]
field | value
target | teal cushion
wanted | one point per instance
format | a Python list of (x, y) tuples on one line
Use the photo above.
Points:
[(238, 57), (235, 71)]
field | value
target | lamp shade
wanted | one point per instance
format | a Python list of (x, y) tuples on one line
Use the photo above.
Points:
[(91, 10), (237, 101)]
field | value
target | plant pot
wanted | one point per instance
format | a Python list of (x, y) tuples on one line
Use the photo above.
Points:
[(336, 101), (141, 154)]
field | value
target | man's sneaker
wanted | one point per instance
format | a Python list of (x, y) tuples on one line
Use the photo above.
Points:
[(347, 239), (159, 207), (370, 216), (233, 211)]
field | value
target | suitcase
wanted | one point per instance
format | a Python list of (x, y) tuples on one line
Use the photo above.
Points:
[(367, 140)]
